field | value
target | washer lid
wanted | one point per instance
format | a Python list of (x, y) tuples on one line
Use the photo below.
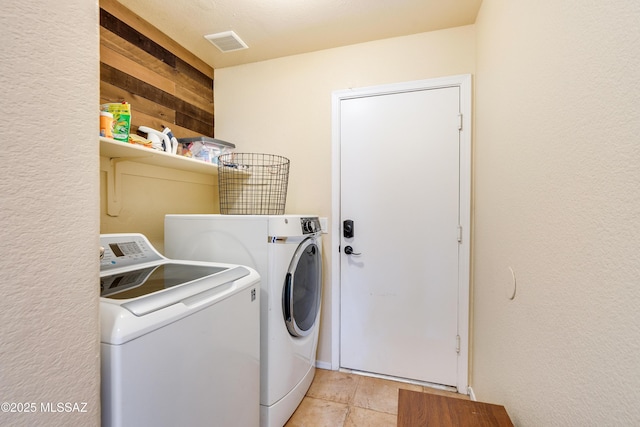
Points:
[(144, 281), (152, 288)]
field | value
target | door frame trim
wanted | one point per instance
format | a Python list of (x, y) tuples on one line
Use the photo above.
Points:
[(463, 82)]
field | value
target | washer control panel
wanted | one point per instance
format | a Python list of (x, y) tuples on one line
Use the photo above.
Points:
[(125, 250), (310, 225)]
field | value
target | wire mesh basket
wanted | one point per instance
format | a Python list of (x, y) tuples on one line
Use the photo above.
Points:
[(252, 184)]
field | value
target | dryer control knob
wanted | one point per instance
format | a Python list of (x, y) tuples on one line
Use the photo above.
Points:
[(309, 226)]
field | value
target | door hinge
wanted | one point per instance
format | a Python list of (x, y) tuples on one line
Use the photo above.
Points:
[(459, 121), (459, 234), (457, 343)]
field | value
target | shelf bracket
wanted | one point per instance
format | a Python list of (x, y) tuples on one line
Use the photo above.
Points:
[(114, 187)]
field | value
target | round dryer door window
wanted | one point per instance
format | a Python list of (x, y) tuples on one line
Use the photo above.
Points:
[(302, 289)]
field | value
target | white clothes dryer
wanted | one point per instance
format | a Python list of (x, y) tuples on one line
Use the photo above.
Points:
[(180, 342), (286, 251)]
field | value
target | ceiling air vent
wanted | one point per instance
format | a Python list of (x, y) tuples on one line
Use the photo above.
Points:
[(227, 41)]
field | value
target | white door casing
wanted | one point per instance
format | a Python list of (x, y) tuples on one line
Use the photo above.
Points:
[(397, 165)]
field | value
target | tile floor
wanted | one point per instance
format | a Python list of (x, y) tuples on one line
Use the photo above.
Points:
[(338, 399)]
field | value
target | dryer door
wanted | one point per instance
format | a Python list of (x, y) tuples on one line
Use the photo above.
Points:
[(302, 289)]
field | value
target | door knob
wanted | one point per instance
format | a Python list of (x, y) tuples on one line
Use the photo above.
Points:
[(349, 251)]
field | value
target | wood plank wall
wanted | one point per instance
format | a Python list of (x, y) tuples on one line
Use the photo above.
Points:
[(164, 83)]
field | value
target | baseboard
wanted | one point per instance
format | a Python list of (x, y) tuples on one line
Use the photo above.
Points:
[(472, 395), (323, 365), (326, 365)]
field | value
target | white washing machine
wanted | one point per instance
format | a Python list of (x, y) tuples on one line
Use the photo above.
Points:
[(180, 342), (286, 251)]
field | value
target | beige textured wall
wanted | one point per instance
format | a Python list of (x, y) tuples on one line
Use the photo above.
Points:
[(49, 343), (283, 107), (557, 198), (150, 192)]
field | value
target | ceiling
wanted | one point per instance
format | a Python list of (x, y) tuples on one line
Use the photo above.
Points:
[(277, 28)]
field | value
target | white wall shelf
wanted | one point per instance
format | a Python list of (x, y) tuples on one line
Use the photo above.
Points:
[(122, 151)]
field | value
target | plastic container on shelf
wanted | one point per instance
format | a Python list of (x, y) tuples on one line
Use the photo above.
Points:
[(205, 148), (106, 124)]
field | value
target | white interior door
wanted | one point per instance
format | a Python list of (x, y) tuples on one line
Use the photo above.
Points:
[(400, 185)]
